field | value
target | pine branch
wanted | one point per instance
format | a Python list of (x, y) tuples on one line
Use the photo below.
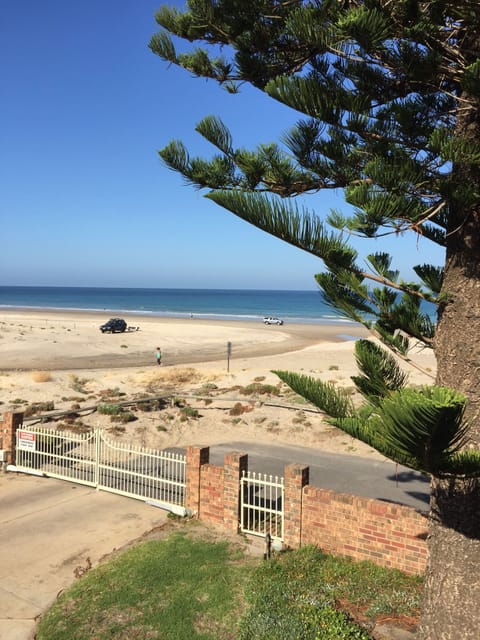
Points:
[(324, 395), (382, 374), (403, 356)]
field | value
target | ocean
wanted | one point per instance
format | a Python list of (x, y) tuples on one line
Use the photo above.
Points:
[(235, 304)]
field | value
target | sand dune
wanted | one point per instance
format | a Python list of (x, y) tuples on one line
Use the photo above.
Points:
[(62, 357)]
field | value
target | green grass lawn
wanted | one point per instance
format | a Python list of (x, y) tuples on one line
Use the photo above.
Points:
[(192, 585)]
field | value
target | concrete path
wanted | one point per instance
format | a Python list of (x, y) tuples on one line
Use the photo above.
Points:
[(51, 530)]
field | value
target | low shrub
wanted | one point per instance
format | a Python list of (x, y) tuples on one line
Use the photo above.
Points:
[(76, 399), (238, 409), (76, 427), (78, 384), (38, 407), (111, 393), (260, 389), (123, 417), (299, 418), (188, 412), (117, 429), (116, 413), (150, 405), (109, 409)]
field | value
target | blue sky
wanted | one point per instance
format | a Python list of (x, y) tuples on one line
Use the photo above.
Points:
[(85, 200)]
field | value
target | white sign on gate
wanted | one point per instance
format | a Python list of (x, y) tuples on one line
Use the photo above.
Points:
[(26, 440)]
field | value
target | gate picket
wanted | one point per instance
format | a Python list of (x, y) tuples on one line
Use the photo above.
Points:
[(95, 460), (262, 504)]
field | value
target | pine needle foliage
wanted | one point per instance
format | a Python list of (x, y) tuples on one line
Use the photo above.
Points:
[(388, 101), (381, 373), (425, 424), (324, 395), (377, 87), (423, 429)]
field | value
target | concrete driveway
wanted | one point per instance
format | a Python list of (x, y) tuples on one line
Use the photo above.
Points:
[(50, 531)]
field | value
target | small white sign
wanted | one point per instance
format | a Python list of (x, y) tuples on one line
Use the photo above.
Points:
[(26, 441)]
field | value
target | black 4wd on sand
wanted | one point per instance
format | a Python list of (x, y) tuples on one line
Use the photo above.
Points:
[(114, 325)]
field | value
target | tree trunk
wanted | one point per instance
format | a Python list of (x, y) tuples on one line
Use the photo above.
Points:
[(451, 602), (451, 607)]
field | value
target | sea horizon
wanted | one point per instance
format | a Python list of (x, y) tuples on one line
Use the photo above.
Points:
[(227, 304)]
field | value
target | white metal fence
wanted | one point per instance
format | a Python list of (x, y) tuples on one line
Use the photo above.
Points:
[(93, 459), (261, 504)]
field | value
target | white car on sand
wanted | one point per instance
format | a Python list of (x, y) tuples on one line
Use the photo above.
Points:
[(272, 320)]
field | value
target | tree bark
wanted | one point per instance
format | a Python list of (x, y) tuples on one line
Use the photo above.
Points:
[(451, 602), (451, 607)]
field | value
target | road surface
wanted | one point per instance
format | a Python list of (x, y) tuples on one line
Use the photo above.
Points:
[(371, 478)]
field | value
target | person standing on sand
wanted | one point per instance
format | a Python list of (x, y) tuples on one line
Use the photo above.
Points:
[(159, 355)]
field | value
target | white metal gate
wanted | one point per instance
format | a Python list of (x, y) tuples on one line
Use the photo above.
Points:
[(93, 459), (261, 504)]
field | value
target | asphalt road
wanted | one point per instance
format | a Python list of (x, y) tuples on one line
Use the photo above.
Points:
[(380, 479)]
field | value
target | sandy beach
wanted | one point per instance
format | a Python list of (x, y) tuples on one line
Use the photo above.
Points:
[(63, 359)]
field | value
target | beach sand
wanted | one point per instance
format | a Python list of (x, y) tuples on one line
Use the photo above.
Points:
[(63, 358)]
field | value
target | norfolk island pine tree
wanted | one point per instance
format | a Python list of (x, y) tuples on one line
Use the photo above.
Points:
[(388, 94)]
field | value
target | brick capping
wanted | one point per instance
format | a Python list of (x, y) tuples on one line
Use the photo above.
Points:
[(389, 534)]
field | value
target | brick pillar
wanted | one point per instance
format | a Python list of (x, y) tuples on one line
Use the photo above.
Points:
[(296, 478), (196, 457), (234, 464), (8, 433)]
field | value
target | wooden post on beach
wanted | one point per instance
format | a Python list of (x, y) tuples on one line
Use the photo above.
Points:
[(229, 353)]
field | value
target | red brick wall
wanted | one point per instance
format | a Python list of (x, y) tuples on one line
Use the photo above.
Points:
[(211, 494), (388, 534)]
